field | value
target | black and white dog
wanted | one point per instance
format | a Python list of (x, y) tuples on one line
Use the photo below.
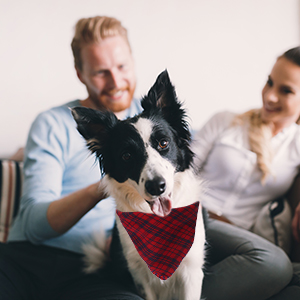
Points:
[(147, 162)]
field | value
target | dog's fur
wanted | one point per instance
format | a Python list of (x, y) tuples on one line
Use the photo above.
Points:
[(147, 164)]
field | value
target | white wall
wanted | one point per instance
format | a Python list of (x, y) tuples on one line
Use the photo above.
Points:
[(218, 52)]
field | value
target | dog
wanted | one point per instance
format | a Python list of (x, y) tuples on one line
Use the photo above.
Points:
[(148, 167)]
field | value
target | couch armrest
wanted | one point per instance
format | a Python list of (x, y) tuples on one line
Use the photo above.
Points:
[(11, 179)]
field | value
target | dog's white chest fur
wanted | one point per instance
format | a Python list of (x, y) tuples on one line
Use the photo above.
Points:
[(185, 283)]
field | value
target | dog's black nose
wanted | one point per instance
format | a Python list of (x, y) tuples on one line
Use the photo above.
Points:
[(156, 186)]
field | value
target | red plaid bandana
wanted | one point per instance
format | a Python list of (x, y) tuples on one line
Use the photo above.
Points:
[(162, 242)]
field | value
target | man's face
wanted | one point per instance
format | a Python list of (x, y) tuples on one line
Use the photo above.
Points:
[(108, 74)]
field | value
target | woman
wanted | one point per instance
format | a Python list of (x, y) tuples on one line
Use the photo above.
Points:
[(248, 160)]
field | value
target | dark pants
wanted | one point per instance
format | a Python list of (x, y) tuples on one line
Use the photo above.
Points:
[(244, 266), (40, 272), (241, 266)]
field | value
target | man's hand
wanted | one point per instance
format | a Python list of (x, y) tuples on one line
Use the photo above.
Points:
[(64, 213)]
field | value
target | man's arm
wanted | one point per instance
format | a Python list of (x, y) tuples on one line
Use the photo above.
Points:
[(61, 182), (62, 214)]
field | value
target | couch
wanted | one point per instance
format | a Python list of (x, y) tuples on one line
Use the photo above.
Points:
[(11, 180)]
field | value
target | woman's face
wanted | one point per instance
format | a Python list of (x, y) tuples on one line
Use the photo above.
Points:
[(281, 95)]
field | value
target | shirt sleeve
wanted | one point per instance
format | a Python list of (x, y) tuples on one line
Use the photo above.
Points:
[(205, 138), (43, 176)]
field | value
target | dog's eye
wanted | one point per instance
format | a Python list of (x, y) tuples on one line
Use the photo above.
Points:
[(163, 144), (126, 156)]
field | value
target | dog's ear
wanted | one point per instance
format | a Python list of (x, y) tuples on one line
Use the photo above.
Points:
[(162, 97), (161, 94), (94, 126)]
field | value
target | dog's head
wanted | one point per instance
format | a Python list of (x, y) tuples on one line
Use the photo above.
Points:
[(144, 152)]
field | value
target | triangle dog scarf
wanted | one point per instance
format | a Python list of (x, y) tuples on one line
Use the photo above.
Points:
[(162, 242)]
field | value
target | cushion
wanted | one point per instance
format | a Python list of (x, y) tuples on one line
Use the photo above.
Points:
[(11, 179), (274, 223)]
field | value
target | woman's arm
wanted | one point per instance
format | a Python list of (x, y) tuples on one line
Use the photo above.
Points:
[(204, 139), (293, 197)]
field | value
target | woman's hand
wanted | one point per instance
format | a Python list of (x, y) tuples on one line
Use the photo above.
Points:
[(296, 224)]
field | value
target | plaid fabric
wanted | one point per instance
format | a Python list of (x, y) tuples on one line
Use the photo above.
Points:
[(162, 242)]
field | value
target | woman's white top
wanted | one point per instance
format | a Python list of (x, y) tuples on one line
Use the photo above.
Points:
[(230, 170)]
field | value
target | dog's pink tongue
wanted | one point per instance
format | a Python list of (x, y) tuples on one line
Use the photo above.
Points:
[(161, 206)]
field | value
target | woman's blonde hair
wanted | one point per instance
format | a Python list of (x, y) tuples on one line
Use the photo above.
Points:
[(260, 133), (94, 30)]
